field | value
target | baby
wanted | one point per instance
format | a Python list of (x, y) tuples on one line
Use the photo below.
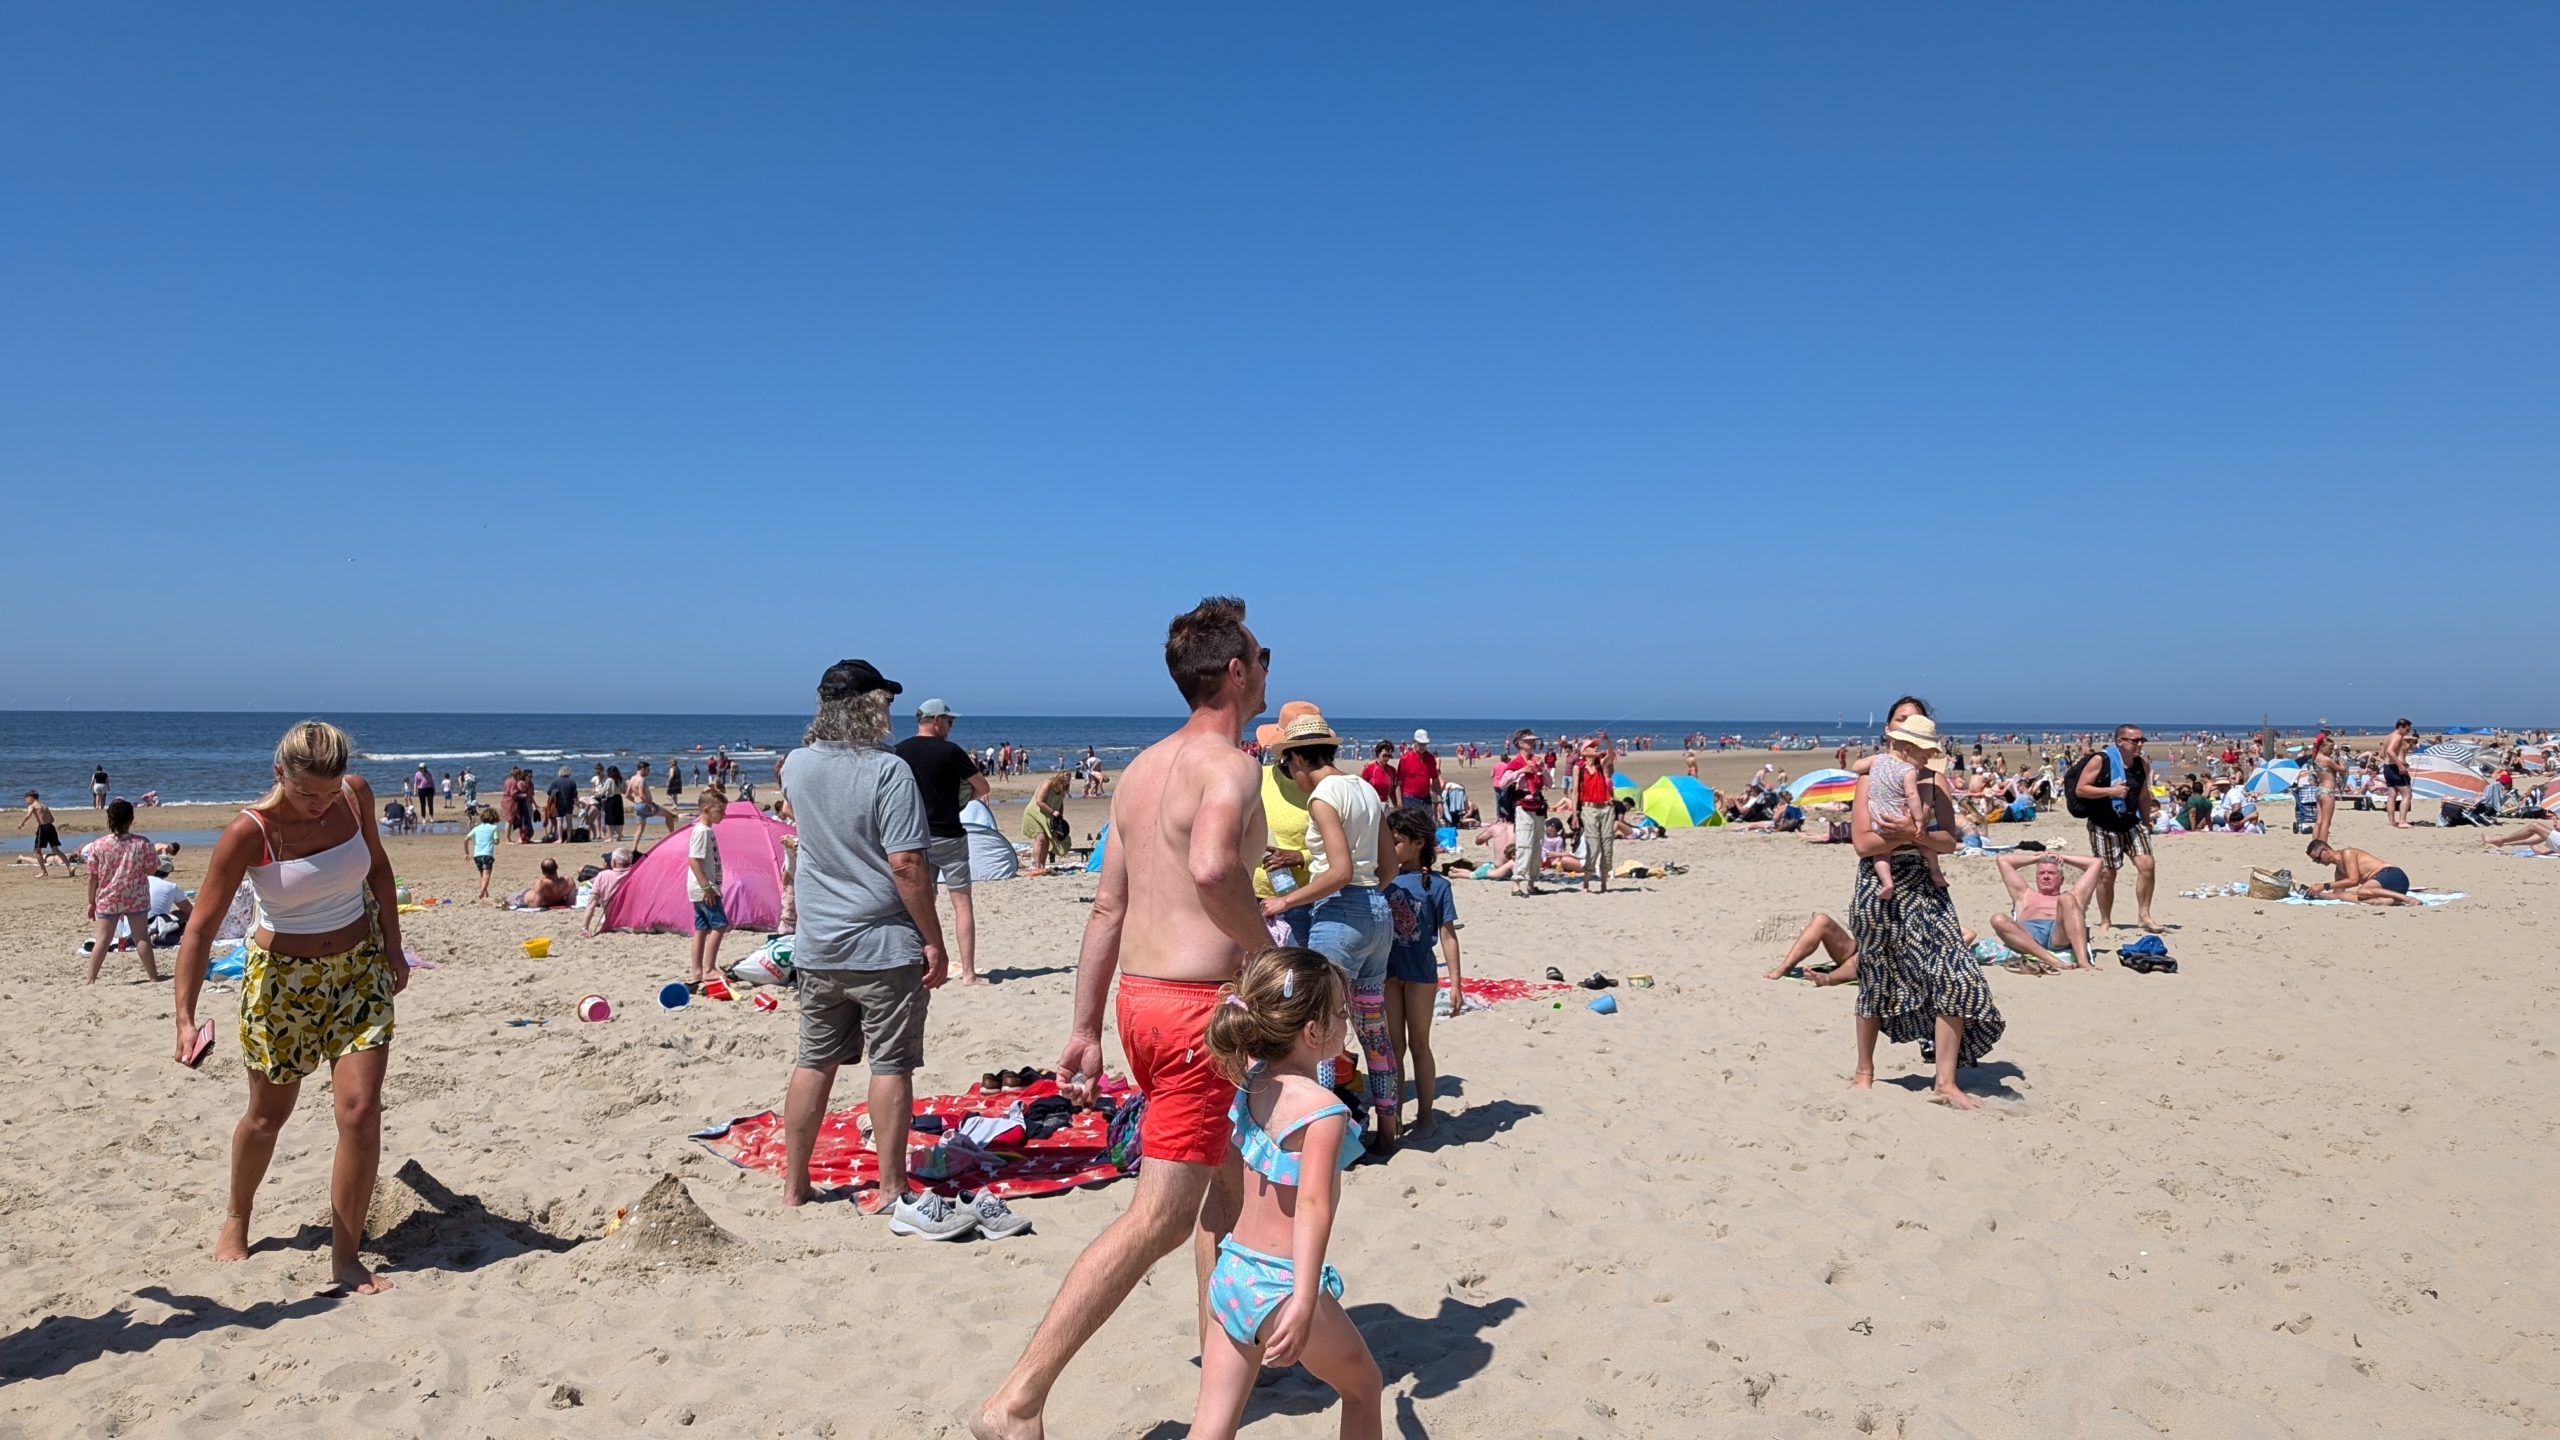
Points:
[(1893, 791)]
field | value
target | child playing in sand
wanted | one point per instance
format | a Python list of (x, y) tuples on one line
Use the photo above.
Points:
[(702, 884), (482, 843), (1893, 789), (1424, 909), (1275, 1298)]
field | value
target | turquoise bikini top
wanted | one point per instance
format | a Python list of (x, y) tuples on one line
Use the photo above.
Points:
[(1261, 1149)]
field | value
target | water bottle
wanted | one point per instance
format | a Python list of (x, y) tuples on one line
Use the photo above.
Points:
[(1283, 881)]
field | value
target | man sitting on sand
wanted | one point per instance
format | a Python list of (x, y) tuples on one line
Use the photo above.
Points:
[(2362, 877), (554, 891), (2042, 910)]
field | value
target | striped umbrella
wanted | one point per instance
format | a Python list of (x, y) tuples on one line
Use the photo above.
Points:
[(2460, 752), (1823, 787), (2274, 778), (2532, 757), (2433, 777)]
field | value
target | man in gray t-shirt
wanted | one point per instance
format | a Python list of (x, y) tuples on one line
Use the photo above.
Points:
[(858, 809), (869, 945)]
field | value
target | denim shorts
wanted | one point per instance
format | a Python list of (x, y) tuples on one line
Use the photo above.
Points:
[(1353, 930), (707, 915)]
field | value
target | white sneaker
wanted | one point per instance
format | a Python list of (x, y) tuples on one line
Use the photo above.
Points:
[(931, 1216), (996, 1220)]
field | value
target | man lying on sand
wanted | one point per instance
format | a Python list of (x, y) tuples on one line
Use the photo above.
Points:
[(2539, 835), (2362, 877)]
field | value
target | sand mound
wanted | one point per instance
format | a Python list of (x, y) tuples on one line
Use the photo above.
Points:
[(668, 1228), (416, 1217)]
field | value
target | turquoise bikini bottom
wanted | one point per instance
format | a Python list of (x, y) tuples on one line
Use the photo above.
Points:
[(1247, 1285)]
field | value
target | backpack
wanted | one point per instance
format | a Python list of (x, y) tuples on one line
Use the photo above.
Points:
[(2101, 812)]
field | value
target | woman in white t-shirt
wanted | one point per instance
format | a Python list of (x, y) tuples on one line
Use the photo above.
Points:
[(1349, 870)]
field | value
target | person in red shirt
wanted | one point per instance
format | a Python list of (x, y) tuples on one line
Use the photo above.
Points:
[(1418, 773), (1380, 772), (1519, 773), (1594, 781)]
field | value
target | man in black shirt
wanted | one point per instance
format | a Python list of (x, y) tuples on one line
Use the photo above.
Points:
[(947, 778), (2119, 813), (564, 804)]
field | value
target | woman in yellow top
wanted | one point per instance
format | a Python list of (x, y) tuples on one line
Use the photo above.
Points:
[(1283, 870)]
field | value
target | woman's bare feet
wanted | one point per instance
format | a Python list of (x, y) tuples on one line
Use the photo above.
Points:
[(1426, 1122), (1862, 1079), (232, 1245), (1952, 1097)]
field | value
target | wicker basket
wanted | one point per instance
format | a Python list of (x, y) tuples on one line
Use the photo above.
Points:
[(2269, 884)]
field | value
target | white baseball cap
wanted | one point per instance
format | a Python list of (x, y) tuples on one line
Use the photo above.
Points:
[(1421, 737), (935, 710)]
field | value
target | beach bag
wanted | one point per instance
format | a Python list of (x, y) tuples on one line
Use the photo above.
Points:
[(767, 964), (2270, 884)]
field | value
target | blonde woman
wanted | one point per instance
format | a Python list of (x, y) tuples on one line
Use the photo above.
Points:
[(322, 963)]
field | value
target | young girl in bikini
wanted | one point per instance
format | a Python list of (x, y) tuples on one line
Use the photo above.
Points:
[(1275, 1299)]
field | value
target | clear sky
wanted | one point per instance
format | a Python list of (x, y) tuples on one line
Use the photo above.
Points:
[(2059, 362)]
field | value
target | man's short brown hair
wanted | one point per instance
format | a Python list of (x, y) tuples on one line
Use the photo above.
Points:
[(1200, 642)]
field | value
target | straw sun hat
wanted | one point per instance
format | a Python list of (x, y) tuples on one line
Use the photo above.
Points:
[(1306, 727), (1919, 731)]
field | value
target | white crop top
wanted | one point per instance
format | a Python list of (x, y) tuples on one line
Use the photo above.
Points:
[(311, 894), (1361, 813)]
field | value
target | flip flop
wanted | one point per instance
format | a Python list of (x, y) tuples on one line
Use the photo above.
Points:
[(1597, 981), (203, 1047), (1555, 974)]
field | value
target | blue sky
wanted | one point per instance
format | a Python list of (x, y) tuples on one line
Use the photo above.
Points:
[(2056, 363)]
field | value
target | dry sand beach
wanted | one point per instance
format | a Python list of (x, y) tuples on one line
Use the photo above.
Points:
[(2297, 1189)]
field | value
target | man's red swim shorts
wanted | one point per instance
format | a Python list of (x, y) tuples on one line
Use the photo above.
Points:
[(1164, 1027)]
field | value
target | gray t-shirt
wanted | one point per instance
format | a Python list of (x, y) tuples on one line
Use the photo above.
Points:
[(856, 805)]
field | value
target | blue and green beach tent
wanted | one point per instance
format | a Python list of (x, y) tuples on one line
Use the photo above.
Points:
[(1623, 786), (1678, 802)]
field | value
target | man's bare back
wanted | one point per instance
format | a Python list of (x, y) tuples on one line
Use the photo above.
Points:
[(1184, 829)]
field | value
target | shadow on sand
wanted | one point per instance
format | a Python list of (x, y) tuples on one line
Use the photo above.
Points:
[(1439, 1352), (420, 1225)]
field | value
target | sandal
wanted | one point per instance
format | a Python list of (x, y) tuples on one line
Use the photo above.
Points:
[(1555, 974), (1597, 981)]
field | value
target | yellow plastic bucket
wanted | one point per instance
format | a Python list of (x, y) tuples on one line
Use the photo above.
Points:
[(537, 947)]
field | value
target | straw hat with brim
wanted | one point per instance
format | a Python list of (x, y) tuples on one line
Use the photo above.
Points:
[(1307, 729), (1919, 731), (1268, 736)]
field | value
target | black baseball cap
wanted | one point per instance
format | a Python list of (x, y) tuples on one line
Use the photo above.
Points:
[(848, 678)]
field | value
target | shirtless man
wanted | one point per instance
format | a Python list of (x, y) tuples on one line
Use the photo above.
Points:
[(1175, 915), (2037, 917), (635, 795), (48, 839), (2395, 772), (2361, 877)]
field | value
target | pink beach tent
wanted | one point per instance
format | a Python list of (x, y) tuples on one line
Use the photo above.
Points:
[(652, 897)]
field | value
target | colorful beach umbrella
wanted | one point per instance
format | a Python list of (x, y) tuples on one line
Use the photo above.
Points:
[(1823, 787), (2460, 752), (2433, 777), (2532, 757), (1623, 786), (2274, 778), (1678, 802)]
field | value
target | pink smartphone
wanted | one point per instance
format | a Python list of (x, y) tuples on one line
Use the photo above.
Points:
[(203, 1047)]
